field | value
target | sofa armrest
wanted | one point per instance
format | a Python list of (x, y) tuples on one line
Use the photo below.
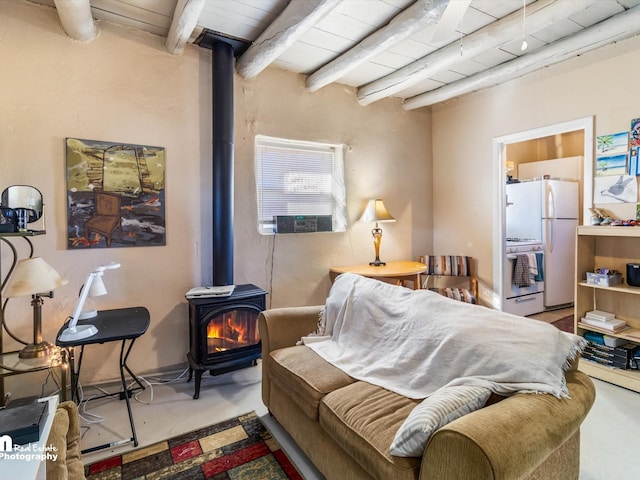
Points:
[(511, 438), (280, 328)]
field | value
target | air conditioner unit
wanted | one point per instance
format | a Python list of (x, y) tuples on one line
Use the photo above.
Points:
[(302, 223)]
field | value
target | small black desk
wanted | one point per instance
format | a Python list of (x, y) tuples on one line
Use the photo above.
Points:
[(121, 324)]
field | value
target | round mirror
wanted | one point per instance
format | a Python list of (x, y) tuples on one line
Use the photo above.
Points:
[(24, 197)]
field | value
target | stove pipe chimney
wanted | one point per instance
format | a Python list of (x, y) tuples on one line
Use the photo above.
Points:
[(222, 63)]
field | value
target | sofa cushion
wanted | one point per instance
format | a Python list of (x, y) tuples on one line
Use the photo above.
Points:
[(363, 419), (305, 376), (434, 412)]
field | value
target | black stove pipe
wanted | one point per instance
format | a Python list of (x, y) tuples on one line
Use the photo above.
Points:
[(223, 63)]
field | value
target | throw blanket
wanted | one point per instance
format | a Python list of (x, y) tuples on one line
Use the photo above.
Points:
[(415, 341)]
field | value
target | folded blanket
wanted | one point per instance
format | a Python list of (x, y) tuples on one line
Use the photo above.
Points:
[(415, 341)]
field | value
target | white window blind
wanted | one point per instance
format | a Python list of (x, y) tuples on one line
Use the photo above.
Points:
[(299, 178)]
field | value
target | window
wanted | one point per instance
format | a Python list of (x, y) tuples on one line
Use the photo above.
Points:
[(299, 178)]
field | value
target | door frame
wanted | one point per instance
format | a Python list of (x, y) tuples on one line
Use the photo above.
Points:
[(499, 179)]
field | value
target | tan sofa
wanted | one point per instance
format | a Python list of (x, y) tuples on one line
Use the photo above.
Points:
[(64, 441), (346, 426)]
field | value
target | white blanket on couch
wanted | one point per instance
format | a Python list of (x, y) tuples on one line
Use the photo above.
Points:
[(415, 341)]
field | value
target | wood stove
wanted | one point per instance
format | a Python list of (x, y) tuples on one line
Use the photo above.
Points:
[(223, 332)]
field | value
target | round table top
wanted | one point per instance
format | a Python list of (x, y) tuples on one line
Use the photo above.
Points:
[(391, 269)]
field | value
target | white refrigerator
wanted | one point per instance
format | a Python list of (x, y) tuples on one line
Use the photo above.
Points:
[(547, 210)]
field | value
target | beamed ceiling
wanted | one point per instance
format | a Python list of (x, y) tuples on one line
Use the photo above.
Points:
[(422, 51)]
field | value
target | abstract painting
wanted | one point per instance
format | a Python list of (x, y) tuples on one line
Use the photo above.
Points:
[(115, 194)]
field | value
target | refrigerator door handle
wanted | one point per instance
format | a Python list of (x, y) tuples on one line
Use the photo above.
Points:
[(551, 203), (551, 235)]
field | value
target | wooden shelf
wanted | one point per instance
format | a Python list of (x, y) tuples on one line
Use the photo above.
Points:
[(613, 248), (629, 333), (625, 378), (617, 288)]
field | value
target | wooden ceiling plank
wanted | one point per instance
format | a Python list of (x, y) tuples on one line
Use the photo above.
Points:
[(287, 28), (76, 19), (405, 24), (616, 28), (539, 15), (185, 19)]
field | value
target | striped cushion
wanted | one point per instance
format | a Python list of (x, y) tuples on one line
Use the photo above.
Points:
[(434, 412), (461, 294), (447, 265)]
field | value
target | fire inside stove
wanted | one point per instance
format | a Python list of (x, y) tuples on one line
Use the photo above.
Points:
[(231, 330)]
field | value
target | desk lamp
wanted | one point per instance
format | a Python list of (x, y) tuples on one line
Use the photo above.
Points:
[(376, 212), (93, 286), (33, 276)]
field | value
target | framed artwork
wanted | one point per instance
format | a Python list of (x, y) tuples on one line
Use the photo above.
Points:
[(634, 133), (115, 194), (611, 154), (620, 189)]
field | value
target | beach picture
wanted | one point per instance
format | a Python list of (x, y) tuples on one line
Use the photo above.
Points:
[(115, 194), (616, 143), (611, 165)]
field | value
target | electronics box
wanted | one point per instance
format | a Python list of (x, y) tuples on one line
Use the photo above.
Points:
[(633, 274), (302, 223), (24, 423)]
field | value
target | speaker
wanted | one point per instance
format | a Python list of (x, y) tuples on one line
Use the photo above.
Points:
[(633, 274)]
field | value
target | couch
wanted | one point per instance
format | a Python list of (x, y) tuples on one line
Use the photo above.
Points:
[(64, 441), (347, 426)]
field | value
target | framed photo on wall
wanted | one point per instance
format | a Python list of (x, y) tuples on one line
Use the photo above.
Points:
[(115, 194)]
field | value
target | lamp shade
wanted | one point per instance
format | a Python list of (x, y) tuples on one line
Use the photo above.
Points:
[(97, 288), (376, 212), (31, 276)]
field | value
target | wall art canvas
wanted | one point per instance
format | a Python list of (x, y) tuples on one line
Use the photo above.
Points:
[(115, 194), (620, 189), (611, 164), (612, 144), (634, 133), (634, 168), (611, 154)]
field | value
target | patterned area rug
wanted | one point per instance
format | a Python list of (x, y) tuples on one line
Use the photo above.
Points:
[(565, 324), (237, 449)]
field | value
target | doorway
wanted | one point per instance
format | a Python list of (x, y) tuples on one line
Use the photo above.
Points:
[(500, 146)]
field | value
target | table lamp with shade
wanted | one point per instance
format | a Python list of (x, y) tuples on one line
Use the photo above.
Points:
[(93, 287), (376, 212), (35, 277)]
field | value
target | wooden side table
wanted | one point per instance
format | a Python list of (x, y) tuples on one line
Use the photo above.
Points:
[(398, 271)]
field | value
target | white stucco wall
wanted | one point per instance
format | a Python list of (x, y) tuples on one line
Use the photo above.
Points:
[(601, 84), (124, 87)]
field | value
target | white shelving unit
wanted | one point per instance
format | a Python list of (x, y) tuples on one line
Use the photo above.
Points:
[(613, 248), (33, 465)]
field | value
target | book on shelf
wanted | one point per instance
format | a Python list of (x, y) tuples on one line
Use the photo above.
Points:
[(614, 325), (600, 315)]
